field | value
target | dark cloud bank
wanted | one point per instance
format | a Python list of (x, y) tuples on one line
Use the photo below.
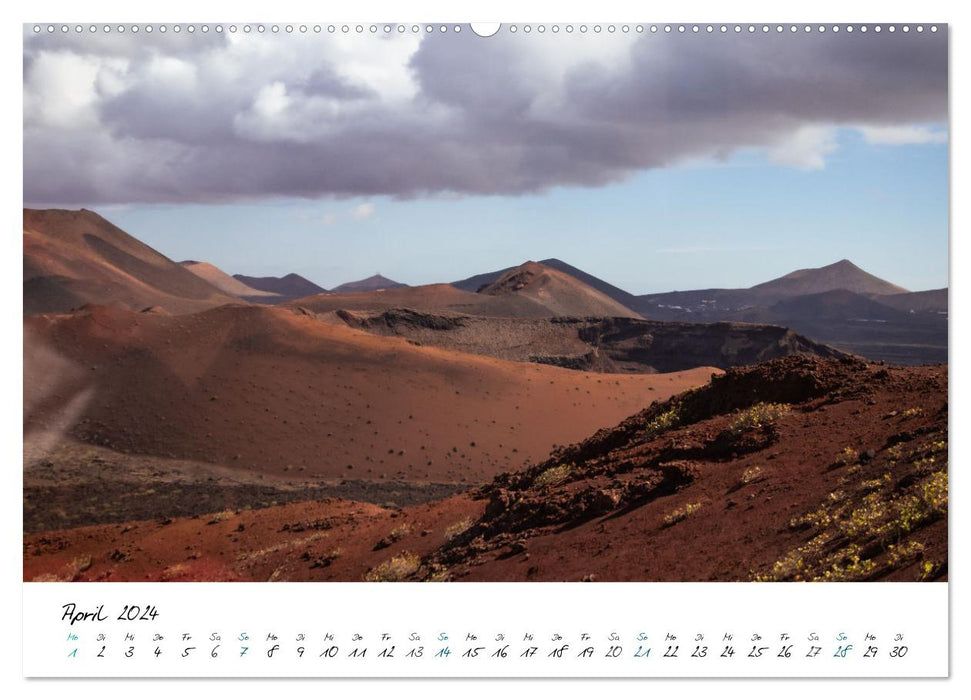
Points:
[(216, 118)]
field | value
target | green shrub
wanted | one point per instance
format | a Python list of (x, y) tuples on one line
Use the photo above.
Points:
[(554, 475), (456, 529), (679, 514), (397, 568), (663, 421), (757, 417), (751, 475)]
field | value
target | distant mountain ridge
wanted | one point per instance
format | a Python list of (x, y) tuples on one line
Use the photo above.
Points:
[(291, 286), (531, 290), (73, 258), (840, 304)]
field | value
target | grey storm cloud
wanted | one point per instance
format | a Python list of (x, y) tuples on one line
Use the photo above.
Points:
[(213, 118)]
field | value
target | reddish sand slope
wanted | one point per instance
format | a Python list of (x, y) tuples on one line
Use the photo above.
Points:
[(797, 469), (271, 390), (223, 281), (76, 257)]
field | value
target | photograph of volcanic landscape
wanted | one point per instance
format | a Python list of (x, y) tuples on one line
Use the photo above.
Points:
[(499, 415)]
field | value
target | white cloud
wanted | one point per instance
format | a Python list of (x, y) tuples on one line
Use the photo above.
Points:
[(805, 149), (61, 91), (382, 65), (172, 72), (903, 135), (363, 212)]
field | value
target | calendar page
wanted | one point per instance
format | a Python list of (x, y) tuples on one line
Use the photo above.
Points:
[(448, 349)]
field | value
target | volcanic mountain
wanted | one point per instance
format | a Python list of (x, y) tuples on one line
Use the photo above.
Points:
[(562, 294), (291, 286), (477, 282), (839, 275), (374, 283), (837, 304), (219, 279), (72, 258), (720, 303)]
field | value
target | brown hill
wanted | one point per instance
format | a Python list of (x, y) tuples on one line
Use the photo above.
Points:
[(222, 281), (561, 293), (73, 258), (932, 301), (374, 283), (291, 286), (477, 282), (797, 469), (836, 304), (268, 390), (839, 275), (429, 298)]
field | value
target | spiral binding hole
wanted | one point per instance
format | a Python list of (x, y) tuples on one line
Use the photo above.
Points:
[(512, 28)]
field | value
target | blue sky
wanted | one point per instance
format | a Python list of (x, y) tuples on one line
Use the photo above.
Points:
[(718, 224)]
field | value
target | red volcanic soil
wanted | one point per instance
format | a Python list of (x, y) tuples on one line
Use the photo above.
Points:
[(795, 469), (72, 258), (270, 390), (329, 540)]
